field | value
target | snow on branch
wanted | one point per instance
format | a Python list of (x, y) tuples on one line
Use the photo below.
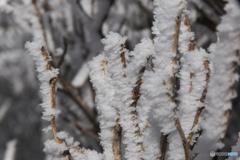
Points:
[(119, 72), (225, 60), (142, 115), (104, 97), (133, 77), (194, 76), (46, 75), (115, 57), (62, 145), (160, 84)]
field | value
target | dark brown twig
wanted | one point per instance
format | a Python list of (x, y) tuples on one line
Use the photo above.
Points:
[(83, 129), (71, 91), (65, 42)]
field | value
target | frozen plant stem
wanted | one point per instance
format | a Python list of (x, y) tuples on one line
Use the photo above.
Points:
[(52, 88), (206, 66), (202, 99), (117, 130), (173, 83), (172, 89)]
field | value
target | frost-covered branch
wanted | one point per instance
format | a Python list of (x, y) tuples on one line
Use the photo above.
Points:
[(150, 101), (112, 62), (166, 27), (221, 91), (63, 145), (194, 77), (47, 76)]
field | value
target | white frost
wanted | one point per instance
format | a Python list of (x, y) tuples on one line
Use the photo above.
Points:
[(44, 76), (224, 60)]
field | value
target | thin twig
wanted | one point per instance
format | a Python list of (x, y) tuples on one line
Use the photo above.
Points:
[(40, 20), (173, 83), (81, 8), (71, 91), (65, 42), (83, 129), (52, 88)]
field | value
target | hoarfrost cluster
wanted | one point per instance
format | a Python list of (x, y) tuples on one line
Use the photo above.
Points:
[(165, 99)]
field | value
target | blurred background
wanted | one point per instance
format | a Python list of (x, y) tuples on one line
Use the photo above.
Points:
[(72, 30)]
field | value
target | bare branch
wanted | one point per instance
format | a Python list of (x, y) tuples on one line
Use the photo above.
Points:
[(82, 10), (40, 20), (71, 91), (65, 42), (83, 129)]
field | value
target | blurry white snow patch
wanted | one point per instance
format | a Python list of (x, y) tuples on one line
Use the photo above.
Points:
[(87, 6), (4, 109), (11, 150), (81, 76)]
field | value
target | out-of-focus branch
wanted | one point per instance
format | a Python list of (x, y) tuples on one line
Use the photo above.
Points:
[(206, 19), (217, 6), (10, 153), (65, 42), (40, 20), (71, 91), (103, 19), (83, 129), (4, 109), (82, 10)]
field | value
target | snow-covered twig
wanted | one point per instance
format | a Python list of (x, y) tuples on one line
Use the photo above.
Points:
[(193, 84), (166, 27), (142, 115), (47, 76), (62, 145), (225, 60)]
